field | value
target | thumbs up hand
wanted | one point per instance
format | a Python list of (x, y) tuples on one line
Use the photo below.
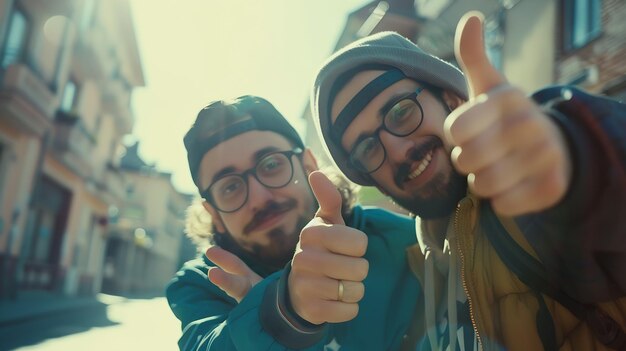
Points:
[(511, 151), (327, 271)]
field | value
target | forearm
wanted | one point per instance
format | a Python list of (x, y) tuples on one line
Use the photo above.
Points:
[(582, 240), (211, 320)]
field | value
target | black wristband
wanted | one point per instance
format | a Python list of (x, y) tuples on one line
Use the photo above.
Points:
[(280, 320)]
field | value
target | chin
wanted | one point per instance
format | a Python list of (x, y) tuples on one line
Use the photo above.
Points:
[(282, 243), (441, 201)]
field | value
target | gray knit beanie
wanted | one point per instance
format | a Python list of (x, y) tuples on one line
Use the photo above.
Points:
[(385, 49)]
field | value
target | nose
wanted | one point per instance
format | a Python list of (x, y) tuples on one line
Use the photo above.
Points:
[(258, 194), (397, 148)]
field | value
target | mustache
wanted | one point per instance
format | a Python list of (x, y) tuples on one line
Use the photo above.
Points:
[(270, 209), (416, 154)]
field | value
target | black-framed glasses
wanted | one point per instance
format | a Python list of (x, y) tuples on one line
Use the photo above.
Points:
[(401, 119), (230, 192)]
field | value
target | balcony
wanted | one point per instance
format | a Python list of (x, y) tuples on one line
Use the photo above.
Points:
[(113, 185), (116, 102), (93, 55), (26, 101), (121, 112), (73, 143)]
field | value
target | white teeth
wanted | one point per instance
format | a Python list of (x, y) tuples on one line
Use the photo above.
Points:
[(422, 166)]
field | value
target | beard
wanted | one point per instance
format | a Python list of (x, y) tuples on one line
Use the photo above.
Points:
[(283, 244), (437, 198), (442, 198), (275, 255)]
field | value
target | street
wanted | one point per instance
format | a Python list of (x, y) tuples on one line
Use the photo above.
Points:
[(116, 324)]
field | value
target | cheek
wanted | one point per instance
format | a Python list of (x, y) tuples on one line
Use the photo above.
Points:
[(234, 223), (384, 178), (300, 191)]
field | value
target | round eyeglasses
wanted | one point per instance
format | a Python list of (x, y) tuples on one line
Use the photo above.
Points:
[(230, 192), (402, 119)]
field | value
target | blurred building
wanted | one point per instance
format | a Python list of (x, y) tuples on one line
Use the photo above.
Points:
[(146, 231), (67, 72), (537, 42), (533, 42)]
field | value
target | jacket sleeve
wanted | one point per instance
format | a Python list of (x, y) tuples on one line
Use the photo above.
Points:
[(211, 320), (582, 240), (202, 308)]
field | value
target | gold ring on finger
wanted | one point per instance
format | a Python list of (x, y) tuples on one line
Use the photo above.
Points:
[(340, 292)]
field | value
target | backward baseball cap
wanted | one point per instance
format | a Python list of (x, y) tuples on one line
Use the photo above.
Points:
[(385, 49), (224, 119)]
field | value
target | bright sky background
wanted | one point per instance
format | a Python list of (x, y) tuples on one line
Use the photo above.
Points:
[(197, 51)]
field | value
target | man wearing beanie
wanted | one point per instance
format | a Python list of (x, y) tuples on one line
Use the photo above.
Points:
[(251, 168), (522, 200)]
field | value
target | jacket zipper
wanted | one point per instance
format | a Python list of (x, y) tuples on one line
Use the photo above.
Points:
[(459, 235)]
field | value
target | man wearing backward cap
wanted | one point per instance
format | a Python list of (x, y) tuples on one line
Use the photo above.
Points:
[(251, 168), (522, 201)]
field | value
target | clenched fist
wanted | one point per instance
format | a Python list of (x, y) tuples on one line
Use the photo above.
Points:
[(511, 151), (327, 270)]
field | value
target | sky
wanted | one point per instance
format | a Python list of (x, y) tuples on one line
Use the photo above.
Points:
[(197, 51)]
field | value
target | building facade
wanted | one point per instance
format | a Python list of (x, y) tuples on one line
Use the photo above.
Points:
[(146, 232), (67, 72)]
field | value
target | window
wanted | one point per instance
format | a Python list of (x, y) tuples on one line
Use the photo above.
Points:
[(582, 22), (16, 38), (69, 96)]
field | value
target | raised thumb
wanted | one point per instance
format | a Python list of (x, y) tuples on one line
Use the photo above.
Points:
[(469, 49), (328, 198)]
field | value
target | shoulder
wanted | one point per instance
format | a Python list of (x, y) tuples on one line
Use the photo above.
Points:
[(199, 265), (563, 95), (192, 275), (376, 220)]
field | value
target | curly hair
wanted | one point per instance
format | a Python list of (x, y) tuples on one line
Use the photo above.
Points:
[(199, 226)]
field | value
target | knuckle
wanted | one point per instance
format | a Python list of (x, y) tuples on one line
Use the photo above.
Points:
[(361, 269), (477, 182), (299, 261), (359, 291), (460, 160), (353, 311), (360, 243), (454, 131), (307, 236)]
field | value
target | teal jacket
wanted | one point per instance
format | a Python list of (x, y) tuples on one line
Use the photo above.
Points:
[(211, 320)]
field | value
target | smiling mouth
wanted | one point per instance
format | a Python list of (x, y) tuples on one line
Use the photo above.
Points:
[(422, 166), (417, 162)]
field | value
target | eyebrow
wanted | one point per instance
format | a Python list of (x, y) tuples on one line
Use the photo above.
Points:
[(259, 154), (382, 112), (394, 99)]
